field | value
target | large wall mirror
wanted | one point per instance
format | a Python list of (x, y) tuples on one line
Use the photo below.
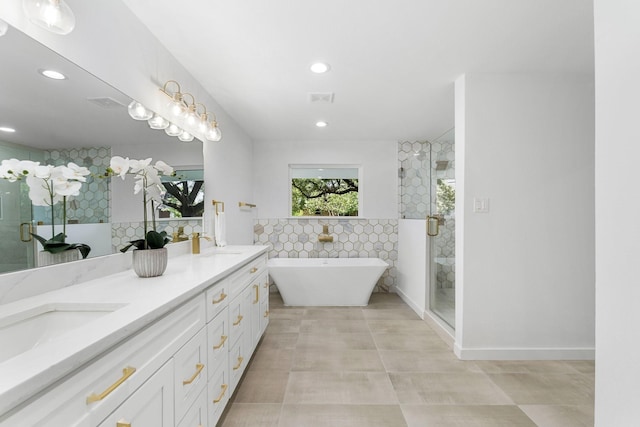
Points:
[(84, 120)]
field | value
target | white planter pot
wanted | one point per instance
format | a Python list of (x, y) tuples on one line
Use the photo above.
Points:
[(150, 262), (47, 258)]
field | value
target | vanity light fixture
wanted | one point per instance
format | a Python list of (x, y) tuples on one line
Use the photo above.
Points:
[(4, 27), (319, 68), (52, 74), (322, 124), (214, 133), (158, 122), (173, 130), (137, 111), (7, 129), (185, 136), (52, 15)]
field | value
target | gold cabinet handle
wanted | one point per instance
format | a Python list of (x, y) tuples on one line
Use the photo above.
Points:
[(253, 270), (257, 288), (266, 313), (123, 424), (126, 373), (223, 338), (219, 300), (29, 231), (266, 285), (224, 388), (237, 322), (199, 368), (240, 359)]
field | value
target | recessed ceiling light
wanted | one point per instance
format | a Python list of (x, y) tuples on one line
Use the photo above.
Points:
[(320, 67), (52, 74), (321, 124), (7, 129)]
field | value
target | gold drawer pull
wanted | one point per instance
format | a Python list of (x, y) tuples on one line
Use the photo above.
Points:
[(224, 390), (126, 373), (240, 359), (223, 338), (257, 288), (123, 424), (266, 285), (266, 313), (199, 368), (237, 322), (253, 270), (219, 300)]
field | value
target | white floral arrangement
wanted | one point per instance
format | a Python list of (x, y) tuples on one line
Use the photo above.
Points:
[(49, 185), (148, 182)]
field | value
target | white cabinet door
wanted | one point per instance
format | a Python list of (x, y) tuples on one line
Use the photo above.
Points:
[(149, 406), (218, 341), (197, 414), (190, 372), (219, 392)]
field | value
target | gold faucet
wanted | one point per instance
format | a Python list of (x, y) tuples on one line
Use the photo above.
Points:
[(324, 236), (179, 236)]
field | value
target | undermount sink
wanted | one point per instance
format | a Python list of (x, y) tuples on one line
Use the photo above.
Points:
[(23, 331)]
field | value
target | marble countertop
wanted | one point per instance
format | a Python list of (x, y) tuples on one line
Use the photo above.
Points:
[(141, 302)]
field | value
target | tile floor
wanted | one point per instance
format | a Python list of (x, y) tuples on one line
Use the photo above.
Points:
[(381, 365)]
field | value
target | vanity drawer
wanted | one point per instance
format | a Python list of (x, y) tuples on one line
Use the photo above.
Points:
[(197, 415), (219, 391), (238, 319), (246, 274), (190, 372), (238, 359), (217, 298), (218, 341), (96, 390)]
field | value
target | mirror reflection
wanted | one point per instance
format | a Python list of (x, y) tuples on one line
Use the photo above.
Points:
[(76, 118)]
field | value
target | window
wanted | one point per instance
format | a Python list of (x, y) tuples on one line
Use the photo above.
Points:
[(325, 190), (185, 194)]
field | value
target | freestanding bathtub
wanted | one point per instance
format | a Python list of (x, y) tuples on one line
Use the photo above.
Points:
[(326, 281)]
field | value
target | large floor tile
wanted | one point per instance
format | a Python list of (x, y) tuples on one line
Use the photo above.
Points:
[(384, 300), (279, 341), (340, 313), (340, 388), (394, 326), (409, 341), (337, 361), (526, 367), (286, 313), (447, 389), (341, 416), (251, 415), (272, 359), (391, 314), (284, 326), (551, 389), (262, 387), (337, 341), (465, 416), (560, 416), (425, 361), (333, 326)]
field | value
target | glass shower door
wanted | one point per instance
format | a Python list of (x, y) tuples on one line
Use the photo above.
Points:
[(441, 229)]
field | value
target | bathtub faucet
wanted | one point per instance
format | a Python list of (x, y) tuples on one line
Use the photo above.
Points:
[(324, 237)]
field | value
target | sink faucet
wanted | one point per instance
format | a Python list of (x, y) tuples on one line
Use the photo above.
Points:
[(324, 236)]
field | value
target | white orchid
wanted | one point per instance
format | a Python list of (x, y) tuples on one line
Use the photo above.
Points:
[(75, 172), (164, 168), (13, 169), (119, 166)]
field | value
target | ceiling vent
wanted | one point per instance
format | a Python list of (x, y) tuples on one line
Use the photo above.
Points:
[(106, 102), (321, 98)]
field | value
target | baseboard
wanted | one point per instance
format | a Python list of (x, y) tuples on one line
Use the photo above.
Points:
[(443, 330), (412, 304), (524, 353)]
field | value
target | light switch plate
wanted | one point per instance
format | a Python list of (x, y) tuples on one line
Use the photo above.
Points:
[(480, 205)]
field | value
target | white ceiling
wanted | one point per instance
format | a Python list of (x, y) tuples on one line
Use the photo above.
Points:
[(393, 63)]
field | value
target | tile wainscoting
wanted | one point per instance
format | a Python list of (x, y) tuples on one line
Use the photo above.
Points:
[(123, 232), (352, 238)]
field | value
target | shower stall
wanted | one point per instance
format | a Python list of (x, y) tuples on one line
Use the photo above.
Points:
[(427, 193)]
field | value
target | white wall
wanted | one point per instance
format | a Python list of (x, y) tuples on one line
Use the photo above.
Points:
[(526, 268), (413, 264), (379, 173), (111, 43), (617, 65)]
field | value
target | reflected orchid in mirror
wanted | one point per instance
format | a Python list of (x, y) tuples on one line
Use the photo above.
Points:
[(49, 185)]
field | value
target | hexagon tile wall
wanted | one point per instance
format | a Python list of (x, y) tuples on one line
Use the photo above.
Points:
[(352, 238)]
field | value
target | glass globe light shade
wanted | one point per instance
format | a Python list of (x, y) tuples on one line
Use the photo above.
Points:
[(52, 15), (138, 111), (4, 27), (185, 137), (173, 130), (158, 122), (214, 134), (204, 127)]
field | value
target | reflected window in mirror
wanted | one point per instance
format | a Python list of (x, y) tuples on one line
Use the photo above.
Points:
[(325, 190), (185, 195)]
